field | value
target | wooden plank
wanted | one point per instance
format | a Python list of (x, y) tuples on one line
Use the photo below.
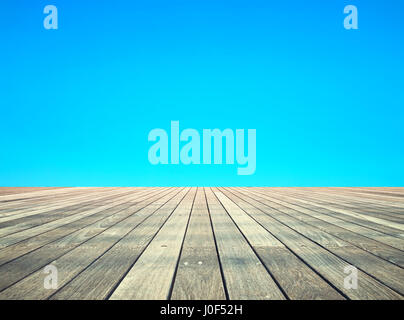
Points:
[(35, 194), (11, 209), (254, 243), (245, 276), (50, 196), (386, 192), (103, 275), (13, 190), (388, 198), (32, 243), (329, 210), (347, 197), (198, 275), (382, 209), (296, 279), (365, 228), (386, 272), (33, 220), (74, 262), (328, 265), (19, 268), (101, 278), (25, 234), (388, 210), (333, 226), (152, 275), (15, 214), (7, 210)]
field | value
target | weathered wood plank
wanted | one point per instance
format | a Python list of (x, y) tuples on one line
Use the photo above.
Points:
[(152, 275), (100, 279), (9, 208), (360, 237), (386, 272), (328, 265), (245, 276), (32, 220), (51, 205), (331, 211), (25, 234), (32, 243), (14, 190), (202, 243), (296, 279), (366, 228), (35, 194), (391, 193), (11, 212), (19, 268), (75, 261), (198, 274), (380, 209)]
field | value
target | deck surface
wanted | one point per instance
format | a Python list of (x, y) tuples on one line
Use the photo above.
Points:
[(201, 243)]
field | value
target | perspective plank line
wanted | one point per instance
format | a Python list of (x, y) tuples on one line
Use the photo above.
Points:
[(201, 243)]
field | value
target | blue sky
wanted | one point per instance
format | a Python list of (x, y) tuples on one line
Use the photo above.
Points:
[(77, 103)]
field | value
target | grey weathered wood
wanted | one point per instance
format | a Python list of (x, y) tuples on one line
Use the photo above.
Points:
[(198, 274), (26, 234), (10, 215), (100, 279), (245, 276), (384, 271), (355, 212), (66, 210), (19, 268), (367, 228), (153, 273), (15, 190), (330, 266), (34, 242), (75, 261), (337, 228), (202, 243), (292, 274), (375, 208)]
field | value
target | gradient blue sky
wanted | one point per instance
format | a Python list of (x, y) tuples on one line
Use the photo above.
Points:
[(77, 103)]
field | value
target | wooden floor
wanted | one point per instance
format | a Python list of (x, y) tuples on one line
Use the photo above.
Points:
[(202, 243)]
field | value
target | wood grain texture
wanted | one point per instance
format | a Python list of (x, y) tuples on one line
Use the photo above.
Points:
[(100, 279), (153, 273), (245, 276), (328, 265), (15, 270), (202, 243), (296, 279), (354, 234), (75, 261), (198, 274), (15, 190), (386, 272)]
